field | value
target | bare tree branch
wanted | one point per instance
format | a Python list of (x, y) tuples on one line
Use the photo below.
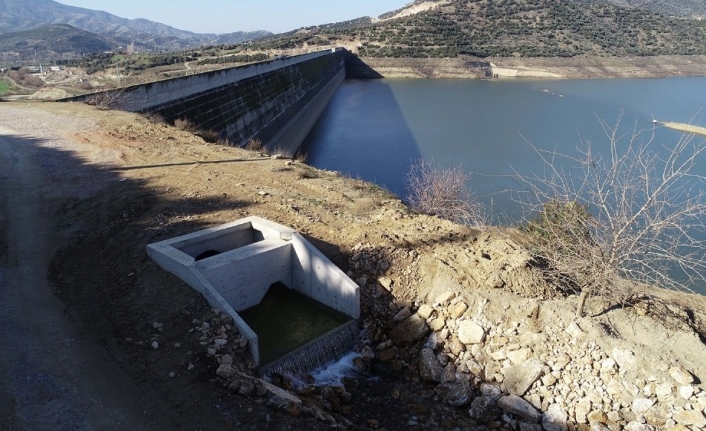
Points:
[(615, 223), (443, 192)]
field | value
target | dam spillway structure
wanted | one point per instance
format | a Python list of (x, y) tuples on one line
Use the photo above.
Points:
[(275, 102), (295, 307)]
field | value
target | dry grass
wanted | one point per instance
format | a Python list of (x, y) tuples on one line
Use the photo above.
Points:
[(301, 157), (306, 173), (185, 125), (209, 136), (155, 118), (254, 145)]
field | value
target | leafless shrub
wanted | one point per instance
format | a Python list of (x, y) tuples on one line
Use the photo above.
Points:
[(306, 173), (619, 222), (185, 125), (436, 190), (24, 78), (111, 99), (155, 118), (300, 157), (33, 82), (254, 145), (209, 136), (225, 142)]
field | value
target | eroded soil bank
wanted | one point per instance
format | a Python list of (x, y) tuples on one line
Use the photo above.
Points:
[(459, 330)]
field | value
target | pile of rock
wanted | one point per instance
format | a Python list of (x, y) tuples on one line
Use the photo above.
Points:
[(218, 335), (509, 373), (222, 342)]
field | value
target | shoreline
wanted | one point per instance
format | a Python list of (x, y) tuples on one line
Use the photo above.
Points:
[(540, 68), (683, 127)]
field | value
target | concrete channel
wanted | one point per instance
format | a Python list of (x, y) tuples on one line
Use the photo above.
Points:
[(234, 265)]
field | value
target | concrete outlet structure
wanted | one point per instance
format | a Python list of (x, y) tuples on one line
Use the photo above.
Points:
[(233, 266)]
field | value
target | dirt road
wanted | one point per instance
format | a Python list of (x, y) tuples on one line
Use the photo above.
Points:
[(49, 379)]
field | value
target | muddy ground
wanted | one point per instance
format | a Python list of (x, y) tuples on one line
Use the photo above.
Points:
[(83, 191)]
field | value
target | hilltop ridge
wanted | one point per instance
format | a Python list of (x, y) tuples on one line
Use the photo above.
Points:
[(511, 28)]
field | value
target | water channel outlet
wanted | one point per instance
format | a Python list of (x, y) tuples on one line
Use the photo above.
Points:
[(296, 308)]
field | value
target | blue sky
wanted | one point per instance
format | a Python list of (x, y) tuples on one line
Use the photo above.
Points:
[(227, 16)]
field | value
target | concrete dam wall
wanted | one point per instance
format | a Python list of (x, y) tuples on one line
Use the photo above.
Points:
[(276, 102)]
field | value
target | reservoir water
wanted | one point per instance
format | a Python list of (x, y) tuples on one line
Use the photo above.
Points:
[(375, 130)]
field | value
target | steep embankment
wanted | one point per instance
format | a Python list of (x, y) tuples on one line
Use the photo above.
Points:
[(454, 318)]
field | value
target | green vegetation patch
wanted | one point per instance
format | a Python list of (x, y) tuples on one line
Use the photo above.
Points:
[(4, 87)]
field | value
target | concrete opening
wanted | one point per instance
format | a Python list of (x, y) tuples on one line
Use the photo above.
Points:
[(205, 246), (234, 266), (207, 253)]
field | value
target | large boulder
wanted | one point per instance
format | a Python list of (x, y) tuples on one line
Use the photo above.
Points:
[(455, 394), (409, 330), (519, 378), (518, 406), (484, 409), (469, 332), (430, 370)]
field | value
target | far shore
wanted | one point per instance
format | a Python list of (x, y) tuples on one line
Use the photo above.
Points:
[(541, 68)]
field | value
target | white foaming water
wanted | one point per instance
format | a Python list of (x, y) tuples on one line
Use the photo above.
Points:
[(333, 373)]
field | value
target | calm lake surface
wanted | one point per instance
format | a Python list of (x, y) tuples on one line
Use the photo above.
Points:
[(375, 130)]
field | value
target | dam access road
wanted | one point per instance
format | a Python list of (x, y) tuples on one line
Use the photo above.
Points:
[(95, 336)]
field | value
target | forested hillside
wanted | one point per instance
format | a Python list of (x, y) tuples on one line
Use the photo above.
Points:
[(528, 28), (57, 39), (687, 8)]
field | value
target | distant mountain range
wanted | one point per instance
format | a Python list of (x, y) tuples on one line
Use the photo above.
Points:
[(22, 15), (53, 41)]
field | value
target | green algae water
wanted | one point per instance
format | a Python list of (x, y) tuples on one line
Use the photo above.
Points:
[(285, 320)]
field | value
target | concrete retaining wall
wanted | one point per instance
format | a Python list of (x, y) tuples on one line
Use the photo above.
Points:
[(314, 276), (243, 276)]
